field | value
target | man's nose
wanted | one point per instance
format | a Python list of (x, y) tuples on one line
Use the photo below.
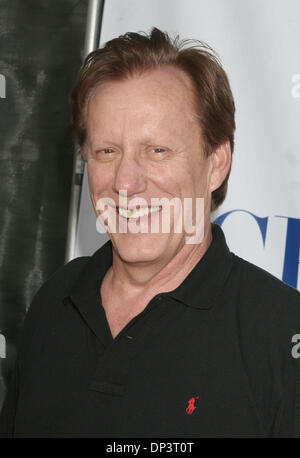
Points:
[(129, 176)]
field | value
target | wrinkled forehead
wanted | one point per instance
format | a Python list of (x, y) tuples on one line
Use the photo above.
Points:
[(162, 98)]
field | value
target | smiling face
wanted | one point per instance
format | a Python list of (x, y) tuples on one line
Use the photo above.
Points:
[(143, 138)]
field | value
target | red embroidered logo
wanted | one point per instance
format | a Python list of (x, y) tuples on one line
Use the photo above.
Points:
[(191, 405)]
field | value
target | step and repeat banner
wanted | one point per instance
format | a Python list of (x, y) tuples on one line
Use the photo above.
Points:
[(258, 42)]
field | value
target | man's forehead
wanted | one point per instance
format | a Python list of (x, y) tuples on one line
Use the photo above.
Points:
[(145, 127), (133, 111), (162, 86)]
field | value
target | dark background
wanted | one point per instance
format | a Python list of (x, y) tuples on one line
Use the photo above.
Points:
[(41, 50)]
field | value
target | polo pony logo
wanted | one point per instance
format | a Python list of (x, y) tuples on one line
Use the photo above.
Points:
[(191, 405)]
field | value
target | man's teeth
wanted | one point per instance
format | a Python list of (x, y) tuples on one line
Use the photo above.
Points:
[(137, 213)]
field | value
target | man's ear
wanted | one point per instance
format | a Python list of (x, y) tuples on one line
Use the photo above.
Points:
[(220, 165), (84, 152)]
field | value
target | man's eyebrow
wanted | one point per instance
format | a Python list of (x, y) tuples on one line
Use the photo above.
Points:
[(99, 141)]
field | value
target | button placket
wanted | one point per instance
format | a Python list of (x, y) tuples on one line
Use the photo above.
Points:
[(113, 367)]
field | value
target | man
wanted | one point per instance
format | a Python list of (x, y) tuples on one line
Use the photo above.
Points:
[(160, 333)]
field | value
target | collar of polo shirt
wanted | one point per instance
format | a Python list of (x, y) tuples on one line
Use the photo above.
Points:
[(198, 290)]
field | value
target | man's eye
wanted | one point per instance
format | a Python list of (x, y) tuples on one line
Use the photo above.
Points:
[(106, 150), (158, 150)]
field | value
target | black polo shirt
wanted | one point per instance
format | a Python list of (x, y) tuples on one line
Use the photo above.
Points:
[(216, 357)]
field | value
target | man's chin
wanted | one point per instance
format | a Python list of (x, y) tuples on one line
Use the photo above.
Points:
[(133, 248)]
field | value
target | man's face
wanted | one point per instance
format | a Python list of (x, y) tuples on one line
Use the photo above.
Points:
[(144, 139)]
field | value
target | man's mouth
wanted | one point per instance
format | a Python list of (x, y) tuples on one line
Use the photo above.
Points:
[(137, 212)]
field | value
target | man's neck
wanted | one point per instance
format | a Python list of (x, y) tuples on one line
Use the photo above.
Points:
[(135, 281)]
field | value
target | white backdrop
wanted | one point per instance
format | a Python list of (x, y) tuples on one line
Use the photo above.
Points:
[(259, 45)]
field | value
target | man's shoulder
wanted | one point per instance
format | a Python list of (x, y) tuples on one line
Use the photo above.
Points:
[(261, 289), (267, 309), (77, 275), (267, 314), (47, 303), (53, 291), (66, 276)]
